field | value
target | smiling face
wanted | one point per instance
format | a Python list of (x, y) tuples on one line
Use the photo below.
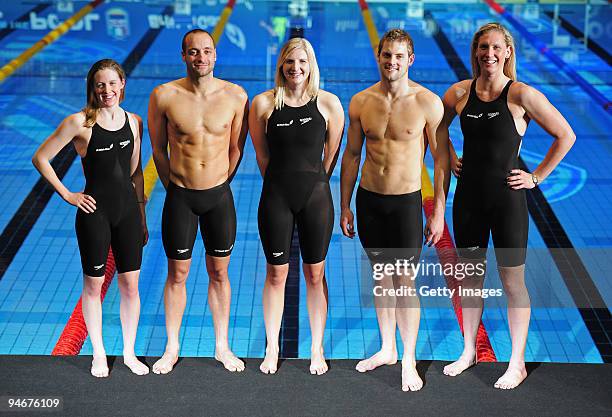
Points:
[(296, 67), (394, 59), (108, 87), (491, 52), (199, 54)]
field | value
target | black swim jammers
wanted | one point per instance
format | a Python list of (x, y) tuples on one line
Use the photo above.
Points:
[(213, 207)]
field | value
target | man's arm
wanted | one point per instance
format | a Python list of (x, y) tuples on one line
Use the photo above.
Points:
[(335, 130), (240, 128), (350, 165), (437, 137), (136, 169), (158, 132)]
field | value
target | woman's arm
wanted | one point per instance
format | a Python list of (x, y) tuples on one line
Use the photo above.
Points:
[(335, 130), (71, 127), (538, 108), (258, 118)]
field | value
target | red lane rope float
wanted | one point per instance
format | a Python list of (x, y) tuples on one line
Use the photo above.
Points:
[(445, 249), (72, 338)]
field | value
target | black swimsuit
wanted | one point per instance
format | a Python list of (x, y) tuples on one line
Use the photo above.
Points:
[(483, 202), (296, 187), (116, 221)]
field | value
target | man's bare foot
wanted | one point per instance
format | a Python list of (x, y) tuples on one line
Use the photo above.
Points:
[(382, 357), (165, 363), (465, 361), (270, 362), (99, 366), (411, 381), (318, 366), (513, 376), (137, 367), (229, 360)]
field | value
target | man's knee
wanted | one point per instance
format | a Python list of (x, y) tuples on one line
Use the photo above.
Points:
[(178, 271), (217, 273)]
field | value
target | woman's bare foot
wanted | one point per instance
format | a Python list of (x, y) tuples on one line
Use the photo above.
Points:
[(229, 360), (270, 362), (514, 375), (99, 366), (382, 357)]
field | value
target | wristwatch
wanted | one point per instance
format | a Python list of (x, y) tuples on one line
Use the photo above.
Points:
[(535, 180)]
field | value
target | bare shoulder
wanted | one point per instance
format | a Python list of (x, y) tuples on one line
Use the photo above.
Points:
[(267, 97), (233, 91), (520, 93), (73, 126), (329, 99), (135, 121), (164, 91), (457, 92), (359, 98), (425, 95), (75, 120), (263, 102), (429, 101), (136, 117)]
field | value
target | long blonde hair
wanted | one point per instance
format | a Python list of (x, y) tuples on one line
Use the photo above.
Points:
[(92, 108), (509, 64), (279, 78)]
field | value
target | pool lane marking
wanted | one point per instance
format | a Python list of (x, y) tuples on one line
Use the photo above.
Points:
[(544, 50), (48, 39)]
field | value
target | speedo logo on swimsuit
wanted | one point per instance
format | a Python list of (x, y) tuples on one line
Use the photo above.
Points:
[(182, 250), (285, 124), (474, 116), (305, 120), (124, 143), (98, 267), (105, 149), (473, 248), (492, 115), (277, 254), (375, 253), (224, 250)]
